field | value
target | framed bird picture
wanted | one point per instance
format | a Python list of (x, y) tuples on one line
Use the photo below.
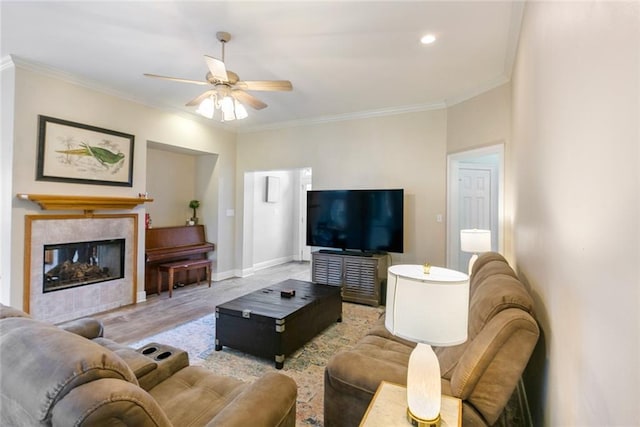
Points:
[(79, 153)]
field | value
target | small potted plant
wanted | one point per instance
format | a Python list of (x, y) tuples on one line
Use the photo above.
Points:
[(194, 204)]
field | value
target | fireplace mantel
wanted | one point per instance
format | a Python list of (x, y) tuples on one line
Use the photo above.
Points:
[(85, 203)]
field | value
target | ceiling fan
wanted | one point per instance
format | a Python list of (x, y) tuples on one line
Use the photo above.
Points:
[(229, 92)]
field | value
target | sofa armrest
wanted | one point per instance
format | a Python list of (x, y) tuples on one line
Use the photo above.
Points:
[(108, 401), (351, 378), (88, 328), (140, 364), (498, 355), (268, 401), (167, 361), (8, 311)]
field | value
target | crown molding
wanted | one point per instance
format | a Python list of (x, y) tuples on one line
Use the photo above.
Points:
[(345, 117), (15, 61), (6, 62), (513, 38)]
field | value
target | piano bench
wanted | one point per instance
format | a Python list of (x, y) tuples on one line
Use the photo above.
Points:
[(185, 265)]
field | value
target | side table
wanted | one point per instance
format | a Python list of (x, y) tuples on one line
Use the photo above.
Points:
[(388, 408)]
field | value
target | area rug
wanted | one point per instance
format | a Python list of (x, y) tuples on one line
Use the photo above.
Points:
[(305, 366)]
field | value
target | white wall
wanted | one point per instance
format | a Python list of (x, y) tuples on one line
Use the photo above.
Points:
[(483, 121), (273, 222), (577, 210), (37, 93), (480, 121), (402, 151), (7, 94)]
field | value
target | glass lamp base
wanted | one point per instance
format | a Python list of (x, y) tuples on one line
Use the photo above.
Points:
[(423, 387)]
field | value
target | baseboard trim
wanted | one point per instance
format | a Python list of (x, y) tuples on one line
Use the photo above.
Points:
[(272, 262), (246, 272), (141, 296), (216, 277)]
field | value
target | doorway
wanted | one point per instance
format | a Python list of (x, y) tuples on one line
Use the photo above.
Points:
[(274, 229), (474, 199), (305, 185)]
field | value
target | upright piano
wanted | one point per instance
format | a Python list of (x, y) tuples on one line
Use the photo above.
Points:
[(166, 244)]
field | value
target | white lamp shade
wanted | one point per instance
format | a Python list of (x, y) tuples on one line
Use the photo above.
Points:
[(227, 116), (429, 308), (241, 112), (475, 241), (206, 108), (226, 105)]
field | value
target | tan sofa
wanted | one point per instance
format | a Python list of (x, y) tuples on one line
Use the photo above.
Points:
[(56, 377), (483, 372)]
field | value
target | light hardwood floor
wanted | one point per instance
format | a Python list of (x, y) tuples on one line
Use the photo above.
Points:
[(159, 313)]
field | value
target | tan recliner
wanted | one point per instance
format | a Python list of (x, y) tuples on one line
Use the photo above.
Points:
[(483, 371), (56, 377)]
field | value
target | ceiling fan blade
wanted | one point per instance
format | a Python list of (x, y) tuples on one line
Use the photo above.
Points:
[(217, 68), (176, 79), (266, 85), (250, 100), (198, 99)]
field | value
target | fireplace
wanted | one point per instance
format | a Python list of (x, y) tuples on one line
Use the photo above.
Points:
[(67, 265), (78, 265)]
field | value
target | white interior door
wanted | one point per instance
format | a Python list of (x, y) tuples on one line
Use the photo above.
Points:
[(474, 199), (475, 202)]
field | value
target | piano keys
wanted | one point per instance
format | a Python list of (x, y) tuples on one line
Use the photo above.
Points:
[(166, 244)]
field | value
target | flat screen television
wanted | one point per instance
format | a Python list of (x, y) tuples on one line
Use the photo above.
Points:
[(369, 221)]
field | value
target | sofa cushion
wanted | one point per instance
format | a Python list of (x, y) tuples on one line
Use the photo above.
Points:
[(362, 367), (194, 394), (485, 258), (489, 269), (248, 408), (46, 363), (493, 295)]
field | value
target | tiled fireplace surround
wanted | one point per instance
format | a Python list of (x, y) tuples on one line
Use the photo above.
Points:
[(68, 304)]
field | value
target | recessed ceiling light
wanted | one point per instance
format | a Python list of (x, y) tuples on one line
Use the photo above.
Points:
[(428, 39)]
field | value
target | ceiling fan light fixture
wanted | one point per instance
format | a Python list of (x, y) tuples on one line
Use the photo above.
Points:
[(226, 105), (229, 107), (206, 107), (241, 112), (227, 116), (227, 88), (428, 39)]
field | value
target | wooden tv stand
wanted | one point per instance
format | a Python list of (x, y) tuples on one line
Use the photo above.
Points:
[(363, 278)]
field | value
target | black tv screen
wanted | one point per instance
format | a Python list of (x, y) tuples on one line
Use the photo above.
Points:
[(364, 220)]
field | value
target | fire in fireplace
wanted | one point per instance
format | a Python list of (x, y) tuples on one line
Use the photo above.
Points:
[(68, 265)]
